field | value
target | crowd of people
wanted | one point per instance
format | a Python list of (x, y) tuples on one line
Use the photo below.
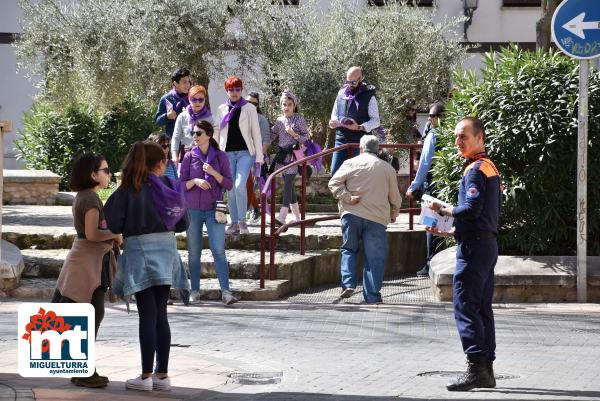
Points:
[(175, 181)]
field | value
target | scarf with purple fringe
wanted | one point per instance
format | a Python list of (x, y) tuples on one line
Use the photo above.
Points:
[(351, 97), (201, 115), (182, 101), (227, 117), (209, 158), (168, 199)]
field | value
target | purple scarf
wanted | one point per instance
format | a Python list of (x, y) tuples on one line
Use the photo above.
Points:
[(227, 117), (182, 101), (201, 115), (168, 199), (209, 158), (352, 96)]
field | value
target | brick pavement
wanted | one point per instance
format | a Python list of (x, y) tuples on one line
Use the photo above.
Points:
[(342, 352)]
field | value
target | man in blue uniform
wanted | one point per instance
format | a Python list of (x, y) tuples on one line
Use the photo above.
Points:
[(476, 227)]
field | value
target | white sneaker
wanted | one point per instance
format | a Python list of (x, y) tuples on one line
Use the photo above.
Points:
[(232, 229), (243, 227), (194, 297), (161, 384), (139, 384), (347, 293), (228, 298)]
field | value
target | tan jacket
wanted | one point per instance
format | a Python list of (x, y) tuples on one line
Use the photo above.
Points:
[(81, 273), (374, 180), (248, 126)]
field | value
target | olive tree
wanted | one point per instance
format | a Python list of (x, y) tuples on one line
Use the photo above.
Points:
[(101, 51), (402, 52)]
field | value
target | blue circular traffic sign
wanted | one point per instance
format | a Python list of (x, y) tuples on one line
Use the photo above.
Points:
[(576, 28)]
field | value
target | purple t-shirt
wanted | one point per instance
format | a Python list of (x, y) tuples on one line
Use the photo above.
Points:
[(191, 167)]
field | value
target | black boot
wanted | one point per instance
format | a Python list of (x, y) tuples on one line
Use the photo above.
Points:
[(476, 376)]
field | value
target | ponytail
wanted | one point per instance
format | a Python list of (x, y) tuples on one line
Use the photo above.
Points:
[(141, 159), (213, 142)]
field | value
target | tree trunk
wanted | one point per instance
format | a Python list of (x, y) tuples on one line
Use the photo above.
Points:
[(543, 28)]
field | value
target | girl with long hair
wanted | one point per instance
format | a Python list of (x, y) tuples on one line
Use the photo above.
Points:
[(148, 208)]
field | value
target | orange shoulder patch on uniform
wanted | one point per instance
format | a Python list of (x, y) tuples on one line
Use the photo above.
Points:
[(486, 166)]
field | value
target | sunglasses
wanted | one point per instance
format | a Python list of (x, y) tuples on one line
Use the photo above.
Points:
[(198, 100), (166, 145), (105, 169), (353, 83), (199, 133), (234, 90)]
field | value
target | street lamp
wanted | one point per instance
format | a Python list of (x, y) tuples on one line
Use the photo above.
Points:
[(469, 7)]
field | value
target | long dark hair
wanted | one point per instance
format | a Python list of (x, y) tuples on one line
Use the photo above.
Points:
[(208, 128), (141, 159)]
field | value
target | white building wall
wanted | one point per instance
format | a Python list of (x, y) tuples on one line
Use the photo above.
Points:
[(16, 92)]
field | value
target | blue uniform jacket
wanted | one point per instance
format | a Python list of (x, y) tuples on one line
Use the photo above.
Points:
[(479, 198)]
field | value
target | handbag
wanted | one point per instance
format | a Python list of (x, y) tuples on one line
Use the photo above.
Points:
[(221, 212), (299, 152)]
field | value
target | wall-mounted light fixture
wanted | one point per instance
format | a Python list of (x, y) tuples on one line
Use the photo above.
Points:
[(469, 7)]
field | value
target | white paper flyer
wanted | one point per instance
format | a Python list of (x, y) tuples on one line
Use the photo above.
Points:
[(430, 218)]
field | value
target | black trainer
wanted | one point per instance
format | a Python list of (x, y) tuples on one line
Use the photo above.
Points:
[(476, 376)]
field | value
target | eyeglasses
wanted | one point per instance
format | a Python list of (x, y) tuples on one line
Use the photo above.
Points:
[(234, 90), (198, 100), (199, 133), (105, 169), (353, 83), (166, 145), (433, 115)]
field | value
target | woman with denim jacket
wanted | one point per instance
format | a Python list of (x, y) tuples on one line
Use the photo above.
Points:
[(148, 208), (206, 174)]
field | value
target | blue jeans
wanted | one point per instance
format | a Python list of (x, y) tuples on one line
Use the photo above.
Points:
[(340, 156), (216, 241), (240, 163), (374, 239)]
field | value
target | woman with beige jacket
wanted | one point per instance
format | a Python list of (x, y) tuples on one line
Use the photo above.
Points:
[(238, 134)]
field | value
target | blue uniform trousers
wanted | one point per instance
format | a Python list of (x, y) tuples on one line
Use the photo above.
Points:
[(473, 292)]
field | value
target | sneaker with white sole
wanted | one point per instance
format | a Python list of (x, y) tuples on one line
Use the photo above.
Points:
[(228, 298), (347, 292), (194, 297), (232, 229), (243, 227), (139, 384), (161, 384)]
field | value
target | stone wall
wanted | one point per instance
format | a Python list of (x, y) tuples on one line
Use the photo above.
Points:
[(30, 187)]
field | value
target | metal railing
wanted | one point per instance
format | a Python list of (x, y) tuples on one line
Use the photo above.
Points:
[(275, 232)]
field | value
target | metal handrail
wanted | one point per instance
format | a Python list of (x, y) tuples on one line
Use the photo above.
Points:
[(303, 222)]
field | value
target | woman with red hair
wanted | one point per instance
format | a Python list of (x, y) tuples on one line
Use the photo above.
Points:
[(238, 133), (197, 110)]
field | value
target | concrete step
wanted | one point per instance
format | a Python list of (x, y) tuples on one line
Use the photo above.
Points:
[(243, 289), (47, 263), (523, 278)]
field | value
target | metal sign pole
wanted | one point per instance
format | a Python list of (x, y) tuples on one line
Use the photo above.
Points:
[(582, 143)]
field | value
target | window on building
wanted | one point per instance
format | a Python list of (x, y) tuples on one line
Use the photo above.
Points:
[(521, 3), (418, 3)]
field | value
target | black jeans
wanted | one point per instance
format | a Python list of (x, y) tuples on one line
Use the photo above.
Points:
[(154, 330), (97, 302)]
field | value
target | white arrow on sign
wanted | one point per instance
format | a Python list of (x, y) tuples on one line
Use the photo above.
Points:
[(577, 25)]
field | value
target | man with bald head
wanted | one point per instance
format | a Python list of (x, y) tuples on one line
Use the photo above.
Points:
[(476, 227), (355, 113)]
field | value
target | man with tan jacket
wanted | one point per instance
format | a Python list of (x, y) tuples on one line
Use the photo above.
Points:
[(368, 199)]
